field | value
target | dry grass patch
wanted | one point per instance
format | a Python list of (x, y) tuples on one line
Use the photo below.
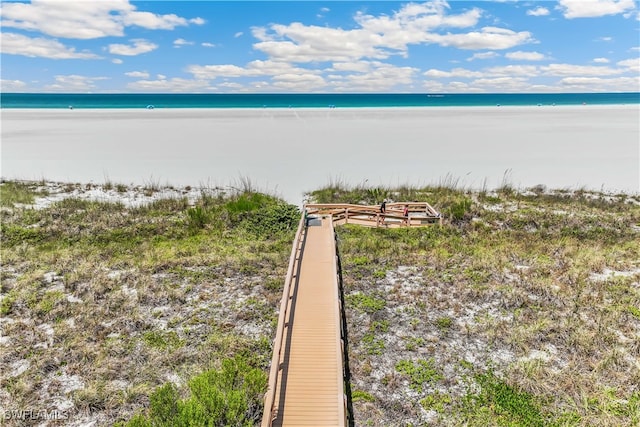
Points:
[(103, 302), (526, 302)]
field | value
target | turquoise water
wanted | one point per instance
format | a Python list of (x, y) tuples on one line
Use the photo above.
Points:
[(50, 100)]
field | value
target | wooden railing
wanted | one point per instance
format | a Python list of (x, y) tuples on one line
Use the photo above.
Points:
[(418, 214), (285, 307), (343, 415)]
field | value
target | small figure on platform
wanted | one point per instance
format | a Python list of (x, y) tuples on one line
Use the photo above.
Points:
[(405, 213), (383, 211)]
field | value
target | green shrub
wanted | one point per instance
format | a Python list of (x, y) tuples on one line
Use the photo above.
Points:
[(420, 373), (503, 403), (12, 235), (164, 404), (362, 396), (163, 339), (12, 192), (272, 220), (366, 303), (444, 323), (248, 202), (197, 218), (459, 208), (230, 396), (436, 401), (6, 303), (48, 301)]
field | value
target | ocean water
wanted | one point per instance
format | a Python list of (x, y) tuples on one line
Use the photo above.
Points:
[(61, 100)]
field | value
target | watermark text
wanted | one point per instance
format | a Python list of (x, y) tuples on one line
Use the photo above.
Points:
[(33, 415)]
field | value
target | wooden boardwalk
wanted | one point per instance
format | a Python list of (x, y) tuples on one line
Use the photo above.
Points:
[(307, 377), (309, 384)]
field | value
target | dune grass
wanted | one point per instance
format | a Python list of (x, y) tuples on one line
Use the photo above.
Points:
[(17, 192), (519, 311), (523, 309), (103, 305)]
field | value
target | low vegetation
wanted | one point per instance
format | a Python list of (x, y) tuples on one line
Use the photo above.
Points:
[(519, 311), (523, 309), (230, 396), (162, 312)]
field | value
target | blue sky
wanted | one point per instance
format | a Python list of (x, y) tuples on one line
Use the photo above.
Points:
[(320, 46)]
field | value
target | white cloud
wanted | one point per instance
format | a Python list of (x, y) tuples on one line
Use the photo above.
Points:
[(12, 85), (117, 61), (170, 85), (598, 84), (18, 44), (486, 38), (538, 11), (380, 77), (231, 85), (253, 69), (137, 74), (267, 68), (525, 56), (210, 72), (152, 21), (513, 70), (74, 83), (85, 19), (513, 78), (299, 82), (300, 43), (349, 52), (182, 42), (323, 11), (483, 55), (139, 46), (207, 44), (379, 37), (601, 60), (632, 64), (238, 34), (504, 84), (604, 39), (571, 70), (356, 66), (455, 73), (594, 8)]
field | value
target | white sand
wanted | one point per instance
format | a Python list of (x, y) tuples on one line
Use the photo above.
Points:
[(290, 151)]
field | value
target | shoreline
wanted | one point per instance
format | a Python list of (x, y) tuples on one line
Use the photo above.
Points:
[(325, 109), (288, 152)]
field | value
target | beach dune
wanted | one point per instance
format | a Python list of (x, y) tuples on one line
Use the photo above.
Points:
[(291, 151)]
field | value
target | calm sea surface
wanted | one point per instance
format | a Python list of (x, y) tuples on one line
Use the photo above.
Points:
[(49, 100)]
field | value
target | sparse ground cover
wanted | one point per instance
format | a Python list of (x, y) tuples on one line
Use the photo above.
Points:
[(105, 306), (521, 311), (133, 305)]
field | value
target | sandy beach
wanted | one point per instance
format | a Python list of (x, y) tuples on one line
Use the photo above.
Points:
[(291, 151)]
